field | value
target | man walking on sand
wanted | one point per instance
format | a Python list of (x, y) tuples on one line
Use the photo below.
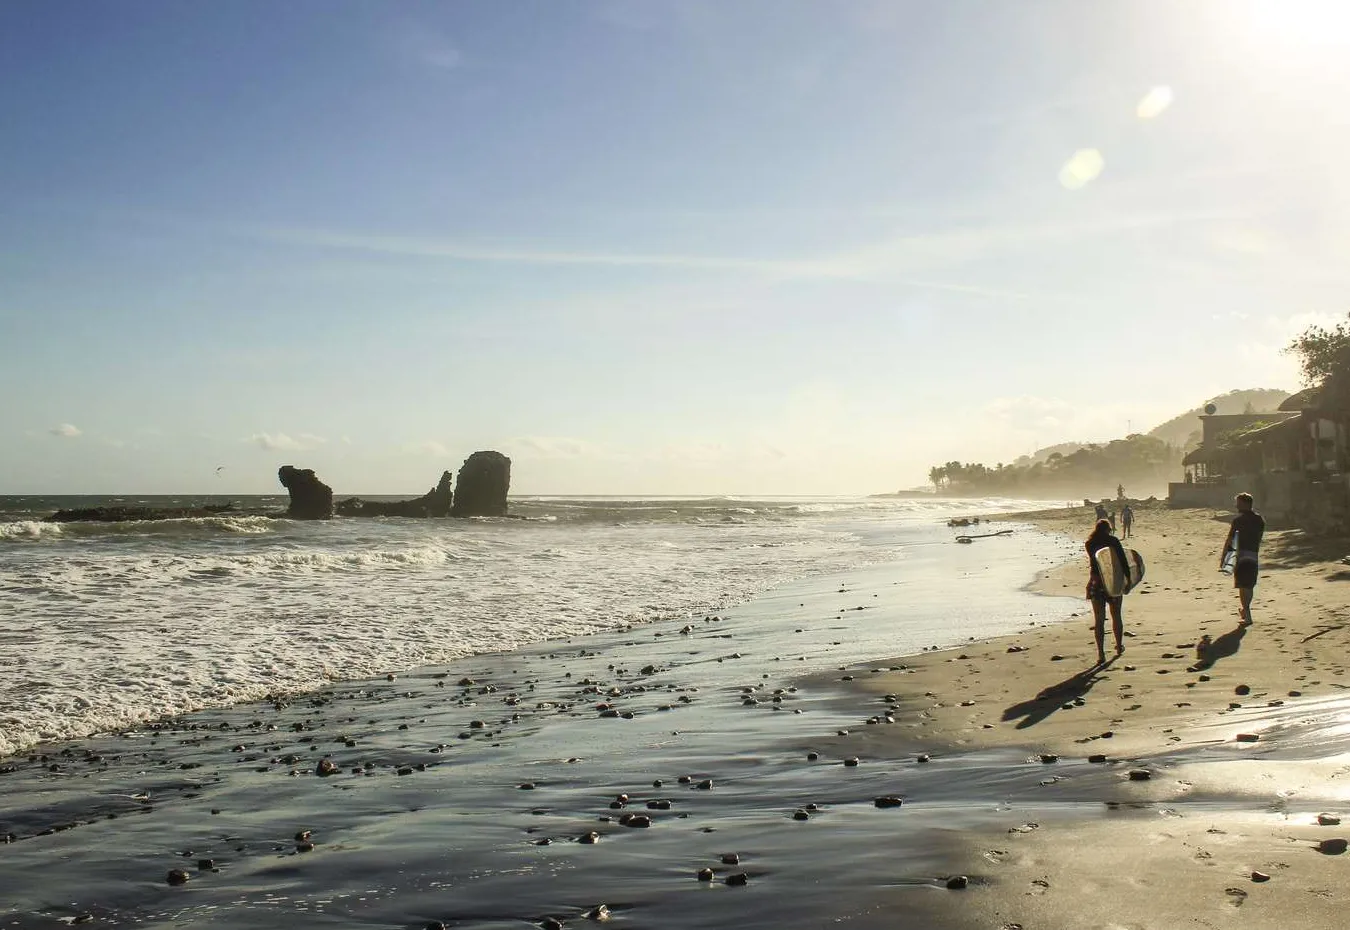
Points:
[(1244, 539), (1126, 520)]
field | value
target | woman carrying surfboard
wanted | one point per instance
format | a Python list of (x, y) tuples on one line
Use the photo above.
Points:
[(1104, 593)]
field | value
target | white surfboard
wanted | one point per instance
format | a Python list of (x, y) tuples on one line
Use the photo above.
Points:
[(1113, 573)]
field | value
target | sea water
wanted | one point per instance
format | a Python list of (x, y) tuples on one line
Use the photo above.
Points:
[(104, 626)]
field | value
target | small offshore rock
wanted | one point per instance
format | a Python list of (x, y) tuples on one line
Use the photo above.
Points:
[(705, 875), (924, 757), (589, 838), (957, 882), (1328, 820), (800, 814), (599, 912), (205, 865), (705, 785), (851, 762), (1048, 758), (888, 801), (177, 877), (812, 756), (731, 859), (738, 878), (326, 767)]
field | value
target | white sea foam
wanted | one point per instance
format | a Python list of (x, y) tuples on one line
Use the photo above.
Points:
[(106, 625)]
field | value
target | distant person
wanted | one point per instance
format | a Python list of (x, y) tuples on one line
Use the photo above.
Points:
[(1102, 538), (1101, 511), (1126, 521), (1244, 540)]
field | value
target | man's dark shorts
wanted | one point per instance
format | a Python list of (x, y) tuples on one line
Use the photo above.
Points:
[(1244, 573)]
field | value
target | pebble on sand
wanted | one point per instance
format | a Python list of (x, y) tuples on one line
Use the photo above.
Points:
[(1247, 737), (1140, 774), (957, 882), (1332, 847), (1328, 820), (1260, 877)]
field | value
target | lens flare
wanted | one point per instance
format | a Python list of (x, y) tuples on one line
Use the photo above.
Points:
[(1081, 169), (1154, 102)]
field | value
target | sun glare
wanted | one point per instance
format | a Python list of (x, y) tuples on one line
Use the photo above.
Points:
[(1301, 22)]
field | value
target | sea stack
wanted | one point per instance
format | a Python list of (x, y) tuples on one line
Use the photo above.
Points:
[(480, 491), (311, 499)]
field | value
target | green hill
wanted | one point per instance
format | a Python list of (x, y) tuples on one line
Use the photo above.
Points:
[(1184, 429)]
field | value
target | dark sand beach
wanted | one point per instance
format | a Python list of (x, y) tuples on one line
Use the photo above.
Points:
[(769, 745)]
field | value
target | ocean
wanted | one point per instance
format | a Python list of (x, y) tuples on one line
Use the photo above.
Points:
[(108, 626)]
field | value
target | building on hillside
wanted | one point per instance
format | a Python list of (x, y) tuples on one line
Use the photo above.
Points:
[(1295, 461)]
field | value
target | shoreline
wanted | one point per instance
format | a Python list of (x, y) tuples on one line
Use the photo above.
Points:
[(434, 798)]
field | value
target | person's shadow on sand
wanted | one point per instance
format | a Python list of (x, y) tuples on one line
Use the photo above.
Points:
[(1226, 645), (1052, 698)]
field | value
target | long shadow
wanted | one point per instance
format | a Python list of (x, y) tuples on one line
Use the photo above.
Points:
[(1225, 646), (1299, 547), (1052, 698)]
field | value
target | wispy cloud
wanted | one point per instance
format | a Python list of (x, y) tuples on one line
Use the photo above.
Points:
[(65, 431), (426, 447), (282, 441)]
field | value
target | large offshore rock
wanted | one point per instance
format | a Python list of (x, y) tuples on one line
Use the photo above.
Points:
[(434, 503), (311, 499), (483, 481)]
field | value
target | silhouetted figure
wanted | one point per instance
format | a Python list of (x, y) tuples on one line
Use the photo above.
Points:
[(1244, 540), (1101, 511), (1102, 538), (1126, 521)]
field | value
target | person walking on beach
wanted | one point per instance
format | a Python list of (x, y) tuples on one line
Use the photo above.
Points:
[(1244, 540), (1102, 538), (1126, 520)]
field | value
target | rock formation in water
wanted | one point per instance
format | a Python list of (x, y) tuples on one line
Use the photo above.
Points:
[(434, 503), (483, 481), (126, 514), (311, 499)]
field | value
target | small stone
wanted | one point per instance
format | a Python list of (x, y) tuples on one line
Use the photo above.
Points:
[(812, 756), (957, 882), (434, 925), (1247, 737), (731, 859), (657, 783), (924, 757), (1260, 877), (177, 877), (738, 878), (1048, 758), (851, 763), (205, 865), (551, 923), (1140, 774), (705, 785), (635, 820), (326, 767), (1328, 820), (888, 801), (1097, 759), (1332, 847), (705, 875), (304, 847), (1242, 690), (800, 814), (660, 804), (600, 911), (589, 839), (543, 842), (405, 770), (526, 786)]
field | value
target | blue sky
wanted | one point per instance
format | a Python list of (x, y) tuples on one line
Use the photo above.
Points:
[(733, 246)]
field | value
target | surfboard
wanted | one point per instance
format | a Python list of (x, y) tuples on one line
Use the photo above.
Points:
[(1113, 573), (1229, 560)]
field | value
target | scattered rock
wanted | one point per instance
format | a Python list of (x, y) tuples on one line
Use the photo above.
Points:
[(1242, 690), (326, 767), (800, 814), (1247, 737), (731, 859), (1328, 820), (1140, 774), (1097, 759), (599, 912), (957, 882), (1259, 877), (1047, 758), (888, 801), (851, 762), (1332, 847), (177, 877), (589, 839), (705, 875), (738, 878)]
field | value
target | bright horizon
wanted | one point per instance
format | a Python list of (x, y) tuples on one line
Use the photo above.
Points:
[(759, 247)]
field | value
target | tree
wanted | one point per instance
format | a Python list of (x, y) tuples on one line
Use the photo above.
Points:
[(1324, 356)]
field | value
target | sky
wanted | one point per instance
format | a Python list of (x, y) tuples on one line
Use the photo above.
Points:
[(648, 246)]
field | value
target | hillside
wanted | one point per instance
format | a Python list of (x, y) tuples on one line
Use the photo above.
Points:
[(1184, 429)]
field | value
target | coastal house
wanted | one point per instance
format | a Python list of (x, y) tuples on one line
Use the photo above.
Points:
[(1296, 461)]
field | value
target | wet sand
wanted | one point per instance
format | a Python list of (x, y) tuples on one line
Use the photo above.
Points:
[(1240, 752), (490, 793)]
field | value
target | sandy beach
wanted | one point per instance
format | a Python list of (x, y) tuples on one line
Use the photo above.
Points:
[(692, 775), (1235, 758)]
